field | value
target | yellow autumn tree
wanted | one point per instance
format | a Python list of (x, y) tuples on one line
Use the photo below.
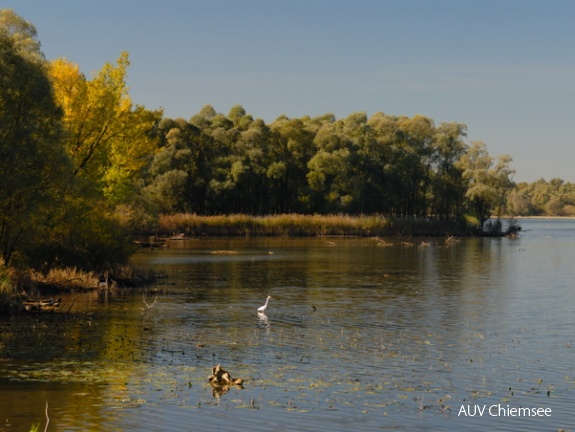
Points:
[(107, 137), (109, 141)]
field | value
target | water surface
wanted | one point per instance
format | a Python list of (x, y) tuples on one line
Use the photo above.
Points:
[(357, 336)]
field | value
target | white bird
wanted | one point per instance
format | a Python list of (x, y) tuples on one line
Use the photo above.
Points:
[(262, 309)]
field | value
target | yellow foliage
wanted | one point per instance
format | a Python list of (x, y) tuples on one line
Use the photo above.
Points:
[(106, 137)]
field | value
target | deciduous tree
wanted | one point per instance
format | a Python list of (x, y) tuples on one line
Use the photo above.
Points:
[(108, 139), (23, 35), (488, 181), (33, 165)]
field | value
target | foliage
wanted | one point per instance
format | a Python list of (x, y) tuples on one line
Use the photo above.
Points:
[(83, 168), (33, 165), (109, 142), (399, 167), (108, 139), (542, 198), (73, 154), (23, 35), (487, 184)]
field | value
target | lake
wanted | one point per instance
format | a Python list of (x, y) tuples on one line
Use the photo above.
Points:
[(361, 334)]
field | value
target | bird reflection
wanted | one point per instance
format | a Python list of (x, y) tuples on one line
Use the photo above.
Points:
[(264, 323), (263, 318)]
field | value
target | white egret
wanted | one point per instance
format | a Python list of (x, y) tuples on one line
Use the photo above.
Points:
[(262, 309)]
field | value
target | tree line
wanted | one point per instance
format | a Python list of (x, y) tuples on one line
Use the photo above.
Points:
[(82, 167), (542, 198), (396, 166)]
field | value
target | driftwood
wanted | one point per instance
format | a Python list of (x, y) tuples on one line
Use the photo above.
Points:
[(222, 381), (48, 305), (451, 239), (152, 243)]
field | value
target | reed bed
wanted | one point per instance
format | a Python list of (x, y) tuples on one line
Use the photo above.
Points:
[(16, 286), (70, 279), (191, 224), (66, 278)]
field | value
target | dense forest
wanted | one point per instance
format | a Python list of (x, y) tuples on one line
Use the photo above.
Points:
[(82, 168), (542, 198)]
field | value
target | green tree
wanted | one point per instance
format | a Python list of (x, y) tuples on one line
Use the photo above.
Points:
[(250, 161), (293, 150), (519, 201), (380, 157), (488, 183), (33, 165), (23, 35), (447, 187), (170, 172), (330, 176), (413, 153)]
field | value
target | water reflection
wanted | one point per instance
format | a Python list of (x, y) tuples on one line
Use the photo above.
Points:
[(358, 337)]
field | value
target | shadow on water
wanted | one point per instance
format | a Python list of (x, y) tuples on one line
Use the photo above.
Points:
[(356, 337)]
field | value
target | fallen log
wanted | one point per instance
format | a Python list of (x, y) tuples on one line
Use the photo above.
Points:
[(47, 305)]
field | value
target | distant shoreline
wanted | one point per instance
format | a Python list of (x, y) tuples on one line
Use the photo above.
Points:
[(538, 217), (304, 225)]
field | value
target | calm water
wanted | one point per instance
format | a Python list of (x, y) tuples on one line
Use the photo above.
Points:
[(358, 336)]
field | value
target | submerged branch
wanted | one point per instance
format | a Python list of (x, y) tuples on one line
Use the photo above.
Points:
[(47, 418), (148, 305)]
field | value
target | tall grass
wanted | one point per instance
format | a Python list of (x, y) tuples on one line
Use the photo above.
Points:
[(8, 299), (192, 224), (16, 285), (69, 279), (73, 279)]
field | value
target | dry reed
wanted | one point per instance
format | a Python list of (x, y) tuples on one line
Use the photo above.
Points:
[(191, 224)]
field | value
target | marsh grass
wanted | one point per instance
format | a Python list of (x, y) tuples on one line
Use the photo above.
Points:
[(191, 224), (7, 299), (19, 285), (73, 279), (70, 279)]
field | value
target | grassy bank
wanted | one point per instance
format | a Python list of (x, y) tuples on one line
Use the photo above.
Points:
[(190, 224), (17, 286)]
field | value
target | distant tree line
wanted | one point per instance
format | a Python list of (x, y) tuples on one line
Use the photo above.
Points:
[(542, 198), (396, 166), (82, 168)]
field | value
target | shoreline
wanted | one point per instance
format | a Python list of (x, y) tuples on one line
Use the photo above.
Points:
[(537, 217), (306, 225)]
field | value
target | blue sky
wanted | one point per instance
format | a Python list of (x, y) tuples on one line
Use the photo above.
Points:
[(505, 68)]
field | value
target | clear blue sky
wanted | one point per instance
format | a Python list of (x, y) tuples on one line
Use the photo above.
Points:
[(506, 68)]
